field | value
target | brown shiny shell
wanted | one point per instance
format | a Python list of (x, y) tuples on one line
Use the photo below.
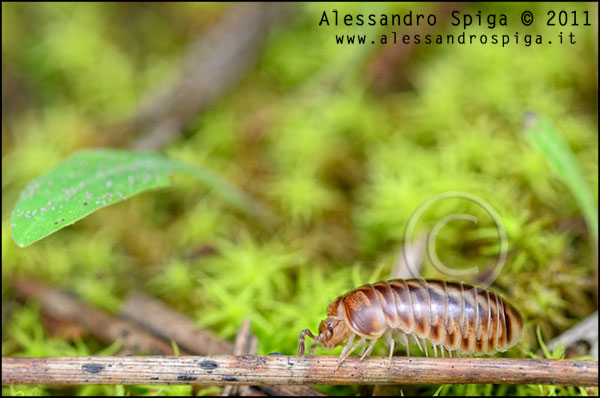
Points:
[(459, 317)]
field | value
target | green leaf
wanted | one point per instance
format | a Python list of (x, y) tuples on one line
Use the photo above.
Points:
[(544, 135), (92, 179)]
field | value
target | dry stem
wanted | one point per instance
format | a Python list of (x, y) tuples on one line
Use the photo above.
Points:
[(245, 344), (585, 331), (156, 316), (213, 63), (162, 320), (281, 370), (106, 327)]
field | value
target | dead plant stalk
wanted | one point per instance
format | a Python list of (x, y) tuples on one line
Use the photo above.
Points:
[(294, 370)]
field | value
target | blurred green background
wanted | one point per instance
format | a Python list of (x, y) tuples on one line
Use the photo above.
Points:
[(341, 143)]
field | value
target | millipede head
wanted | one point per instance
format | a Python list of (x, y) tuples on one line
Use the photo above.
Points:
[(332, 332)]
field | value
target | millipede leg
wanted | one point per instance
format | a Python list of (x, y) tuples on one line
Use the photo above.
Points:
[(442, 349), (343, 357), (348, 344), (418, 343), (369, 350), (425, 345), (390, 340), (406, 344), (434, 350), (363, 349)]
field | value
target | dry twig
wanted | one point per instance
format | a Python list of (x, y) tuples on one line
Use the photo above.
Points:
[(290, 370), (383, 70), (104, 326), (245, 344), (211, 65), (154, 315), (585, 331), (65, 306)]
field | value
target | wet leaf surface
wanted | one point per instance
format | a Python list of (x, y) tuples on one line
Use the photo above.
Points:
[(92, 179)]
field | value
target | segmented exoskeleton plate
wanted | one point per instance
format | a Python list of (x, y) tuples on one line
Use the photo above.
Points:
[(450, 315)]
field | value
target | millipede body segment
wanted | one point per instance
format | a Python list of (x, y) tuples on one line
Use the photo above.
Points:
[(453, 316)]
